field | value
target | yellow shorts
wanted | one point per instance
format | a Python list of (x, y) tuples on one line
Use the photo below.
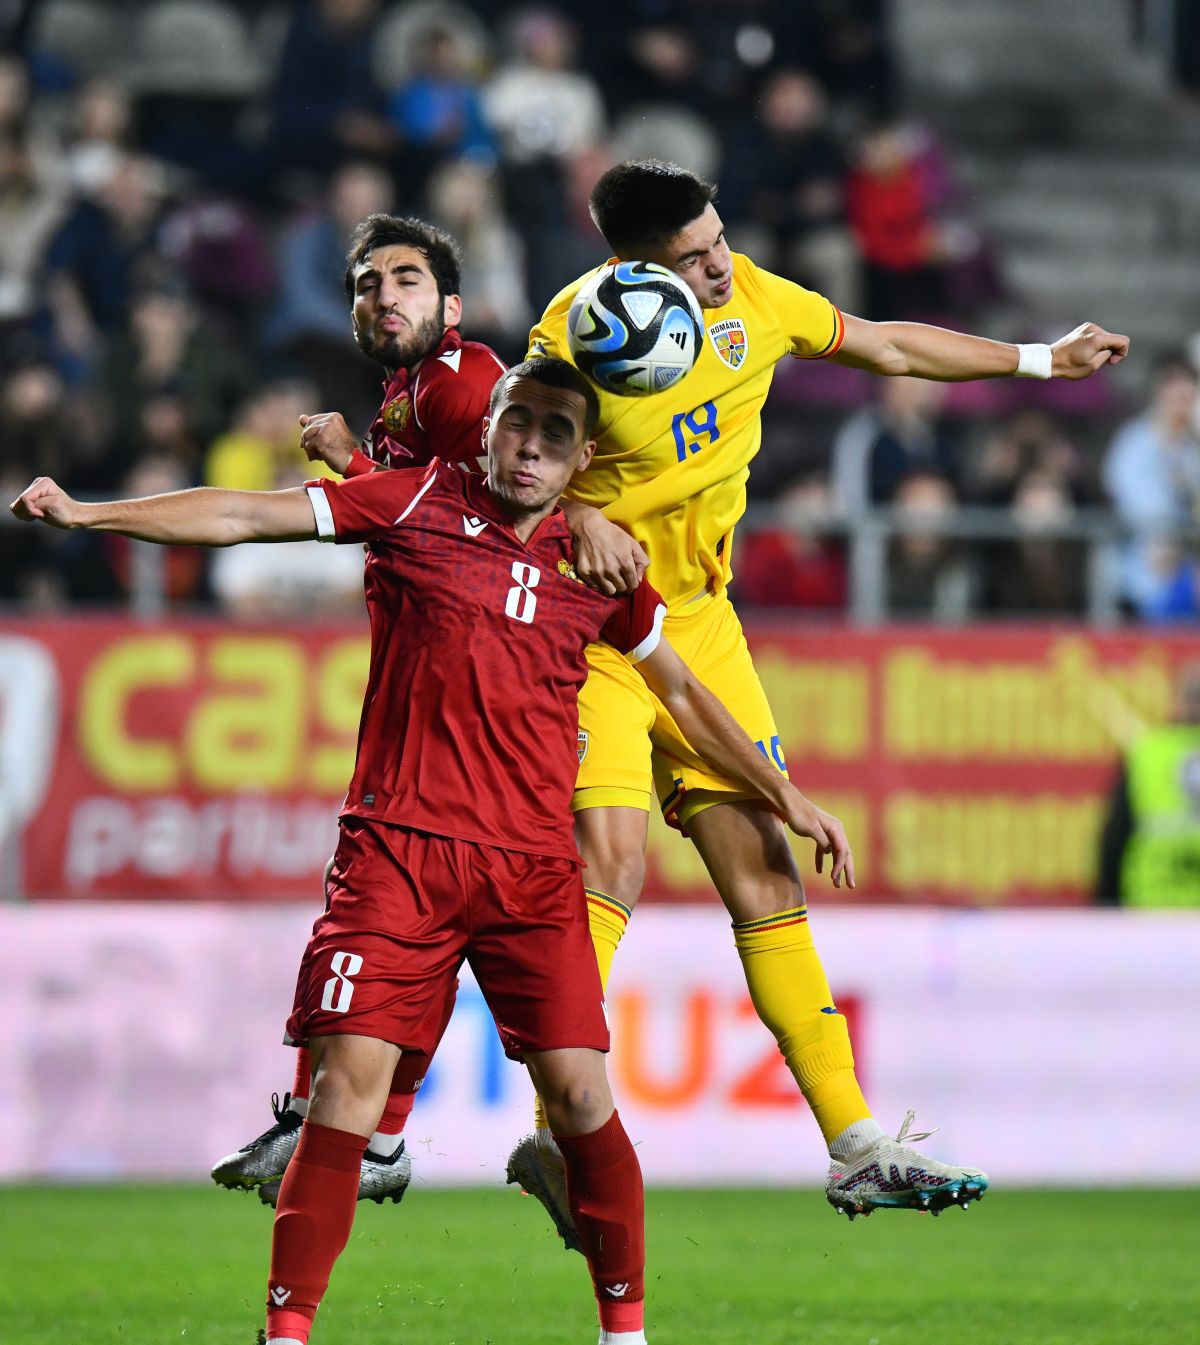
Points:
[(629, 745)]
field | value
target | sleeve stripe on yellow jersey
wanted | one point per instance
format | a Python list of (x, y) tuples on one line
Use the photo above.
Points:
[(833, 345)]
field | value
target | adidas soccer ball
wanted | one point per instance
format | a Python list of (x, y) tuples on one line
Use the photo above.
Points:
[(635, 328)]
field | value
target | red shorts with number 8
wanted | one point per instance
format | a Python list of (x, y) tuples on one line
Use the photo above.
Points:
[(407, 908)]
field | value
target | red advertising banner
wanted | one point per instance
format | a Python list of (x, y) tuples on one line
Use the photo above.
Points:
[(201, 760)]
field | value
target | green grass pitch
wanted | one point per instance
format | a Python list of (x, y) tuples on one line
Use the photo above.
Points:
[(148, 1265)]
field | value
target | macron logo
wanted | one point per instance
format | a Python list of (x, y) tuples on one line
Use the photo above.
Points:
[(473, 526), (451, 359), (280, 1296), (617, 1290)]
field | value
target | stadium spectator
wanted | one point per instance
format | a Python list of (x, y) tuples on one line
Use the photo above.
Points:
[(172, 381), (94, 259), (1150, 845), (791, 565), (99, 133), (921, 260), (548, 118), (1038, 573), (878, 447), (783, 190), (308, 325), (1152, 475), (928, 574), (1030, 441), (464, 198), (438, 110), (263, 444), (326, 105), (33, 198)]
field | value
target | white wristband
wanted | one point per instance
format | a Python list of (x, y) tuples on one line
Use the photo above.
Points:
[(1034, 361)]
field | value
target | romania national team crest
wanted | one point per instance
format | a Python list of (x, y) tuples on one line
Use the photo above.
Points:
[(396, 414), (581, 739), (729, 341), (567, 570)]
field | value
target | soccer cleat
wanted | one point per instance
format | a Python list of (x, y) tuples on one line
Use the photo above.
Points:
[(263, 1159), (890, 1174), (379, 1178), (536, 1166)]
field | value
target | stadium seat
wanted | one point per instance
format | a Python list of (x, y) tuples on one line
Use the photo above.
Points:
[(195, 47), (87, 36), (399, 37), (660, 131)]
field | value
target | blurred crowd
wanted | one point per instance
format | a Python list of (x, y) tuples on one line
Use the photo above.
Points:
[(178, 180)]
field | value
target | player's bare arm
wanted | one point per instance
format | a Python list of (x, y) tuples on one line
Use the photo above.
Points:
[(922, 351), (325, 437), (607, 558), (202, 517), (716, 735)]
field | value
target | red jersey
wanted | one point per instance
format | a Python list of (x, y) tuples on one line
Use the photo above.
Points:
[(470, 720), (437, 409)]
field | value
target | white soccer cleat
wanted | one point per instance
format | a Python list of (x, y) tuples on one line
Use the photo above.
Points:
[(536, 1166), (265, 1158), (379, 1178), (890, 1174)]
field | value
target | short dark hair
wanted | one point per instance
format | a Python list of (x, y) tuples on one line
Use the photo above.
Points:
[(381, 231), (554, 373), (647, 201)]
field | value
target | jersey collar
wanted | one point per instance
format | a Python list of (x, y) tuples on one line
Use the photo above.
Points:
[(395, 383), (552, 526)]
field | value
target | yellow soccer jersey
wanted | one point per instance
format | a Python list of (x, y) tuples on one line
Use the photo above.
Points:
[(672, 467)]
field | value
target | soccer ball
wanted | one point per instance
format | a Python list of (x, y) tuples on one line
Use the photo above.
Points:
[(635, 328)]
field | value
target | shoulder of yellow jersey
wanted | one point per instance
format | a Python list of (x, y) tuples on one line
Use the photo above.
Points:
[(549, 336), (812, 327)]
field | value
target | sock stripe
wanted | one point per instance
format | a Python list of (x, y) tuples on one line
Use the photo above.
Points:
[(796, 916), (610, 904)]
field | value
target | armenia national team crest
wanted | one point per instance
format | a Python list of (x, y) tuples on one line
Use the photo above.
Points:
[(396, 414), (729, 341)]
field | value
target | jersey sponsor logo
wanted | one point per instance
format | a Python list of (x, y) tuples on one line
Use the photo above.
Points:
[(729, 341), (567, 570), (396, 414), (473, 526), (581, 741), (452, 359)]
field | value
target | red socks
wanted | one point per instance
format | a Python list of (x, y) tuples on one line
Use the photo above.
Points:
[(604, 1191), (312, 1225)]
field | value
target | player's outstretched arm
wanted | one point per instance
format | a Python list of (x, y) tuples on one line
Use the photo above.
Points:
[(203, 517), (922, 351), (719, 739), (607, 558)]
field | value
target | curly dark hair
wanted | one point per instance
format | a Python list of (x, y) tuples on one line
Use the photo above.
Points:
[(438, 247)]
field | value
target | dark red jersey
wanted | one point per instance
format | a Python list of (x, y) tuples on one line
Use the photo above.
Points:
[(437, 409), (470, 720)]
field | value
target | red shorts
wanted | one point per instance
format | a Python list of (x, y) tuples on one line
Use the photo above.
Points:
[(406, 909)]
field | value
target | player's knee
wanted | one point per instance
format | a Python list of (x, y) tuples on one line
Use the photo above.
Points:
[(578, 1106)]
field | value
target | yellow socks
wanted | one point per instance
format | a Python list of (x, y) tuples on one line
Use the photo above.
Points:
[(788, 986), (607, 918)]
